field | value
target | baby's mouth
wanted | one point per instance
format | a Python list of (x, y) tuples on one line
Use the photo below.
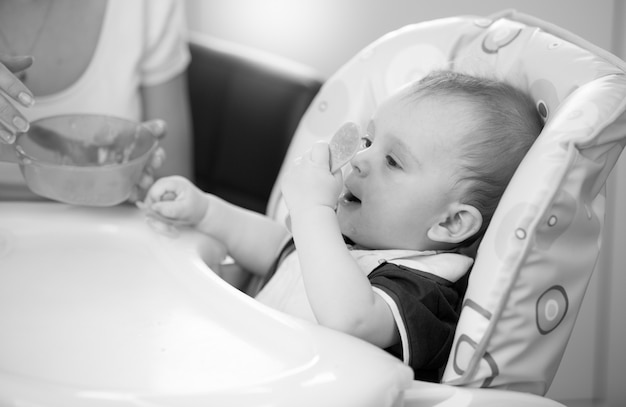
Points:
[(349, 197)]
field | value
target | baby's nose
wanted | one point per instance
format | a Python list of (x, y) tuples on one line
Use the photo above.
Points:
[(359, 163)]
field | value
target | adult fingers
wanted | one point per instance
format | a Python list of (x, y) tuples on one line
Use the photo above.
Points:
[(16, 63), (10, 84), (157, 127), (157, 159), (11, 121), (12, 89)]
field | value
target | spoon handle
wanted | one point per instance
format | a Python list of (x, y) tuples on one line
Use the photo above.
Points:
[(344, 145)]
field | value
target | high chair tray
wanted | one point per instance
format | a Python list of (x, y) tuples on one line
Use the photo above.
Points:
[(97, 308)]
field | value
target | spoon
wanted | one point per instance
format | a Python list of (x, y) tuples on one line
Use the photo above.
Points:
[(344, 145)]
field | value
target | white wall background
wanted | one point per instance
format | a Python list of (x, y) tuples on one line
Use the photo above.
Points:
[(324, 34)]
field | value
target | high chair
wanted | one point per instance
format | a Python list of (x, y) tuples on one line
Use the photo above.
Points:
[(98, 309), (536, 259)]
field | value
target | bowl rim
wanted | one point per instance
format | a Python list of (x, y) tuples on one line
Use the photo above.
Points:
[(27, 160)]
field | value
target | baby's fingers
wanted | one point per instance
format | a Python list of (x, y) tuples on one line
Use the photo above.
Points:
[(170, 210), (320, 154), (168, 186)]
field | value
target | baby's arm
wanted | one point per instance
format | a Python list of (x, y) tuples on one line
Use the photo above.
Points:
[(252, 239), (338, 290)]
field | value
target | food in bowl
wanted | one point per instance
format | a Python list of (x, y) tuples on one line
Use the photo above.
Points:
[(84, 159)]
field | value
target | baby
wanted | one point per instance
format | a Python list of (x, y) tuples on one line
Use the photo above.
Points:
[(378, 255)]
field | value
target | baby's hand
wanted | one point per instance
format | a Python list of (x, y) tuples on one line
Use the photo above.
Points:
[(176, 200), (310, 183)]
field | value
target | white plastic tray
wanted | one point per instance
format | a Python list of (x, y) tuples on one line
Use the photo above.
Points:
[(98, 309)]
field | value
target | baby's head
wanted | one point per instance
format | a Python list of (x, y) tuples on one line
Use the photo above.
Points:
[(437, 157)]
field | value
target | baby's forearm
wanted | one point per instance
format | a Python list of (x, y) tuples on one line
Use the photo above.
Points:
[(338, 290), (252, 239)]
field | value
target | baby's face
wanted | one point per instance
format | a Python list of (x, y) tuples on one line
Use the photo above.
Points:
[(405, 176)]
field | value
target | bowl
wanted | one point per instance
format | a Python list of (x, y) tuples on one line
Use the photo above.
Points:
[(84, 159)]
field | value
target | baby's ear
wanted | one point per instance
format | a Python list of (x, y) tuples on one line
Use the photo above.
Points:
[(462, 222)]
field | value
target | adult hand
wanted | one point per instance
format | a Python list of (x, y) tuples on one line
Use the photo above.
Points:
[(12, 90), (158, 129)]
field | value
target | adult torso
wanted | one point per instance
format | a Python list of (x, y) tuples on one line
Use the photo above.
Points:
[(60, 34)]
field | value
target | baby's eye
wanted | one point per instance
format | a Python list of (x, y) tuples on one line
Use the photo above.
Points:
[(391, 162), (365, 142)]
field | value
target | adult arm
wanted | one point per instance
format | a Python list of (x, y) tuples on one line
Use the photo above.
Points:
[(169, 101)]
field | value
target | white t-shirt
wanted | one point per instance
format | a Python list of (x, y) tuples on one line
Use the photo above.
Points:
[(142, 43)]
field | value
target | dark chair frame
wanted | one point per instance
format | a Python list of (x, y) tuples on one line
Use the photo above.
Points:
[(246, 106)]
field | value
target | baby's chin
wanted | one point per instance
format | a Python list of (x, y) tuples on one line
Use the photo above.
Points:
[(358, 237), (348, 231), (353, 238)]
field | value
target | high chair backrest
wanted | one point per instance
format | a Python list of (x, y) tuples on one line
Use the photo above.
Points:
[(537, 256)]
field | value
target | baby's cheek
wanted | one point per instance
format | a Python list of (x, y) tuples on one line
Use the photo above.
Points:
[(391, 231), (344, 224)]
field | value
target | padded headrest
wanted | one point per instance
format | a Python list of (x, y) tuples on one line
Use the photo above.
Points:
[(537, 256)]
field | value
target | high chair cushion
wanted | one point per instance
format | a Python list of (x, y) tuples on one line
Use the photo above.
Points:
[(535, 261)]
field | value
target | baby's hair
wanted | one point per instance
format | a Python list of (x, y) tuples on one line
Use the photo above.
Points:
[(497, 141)]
